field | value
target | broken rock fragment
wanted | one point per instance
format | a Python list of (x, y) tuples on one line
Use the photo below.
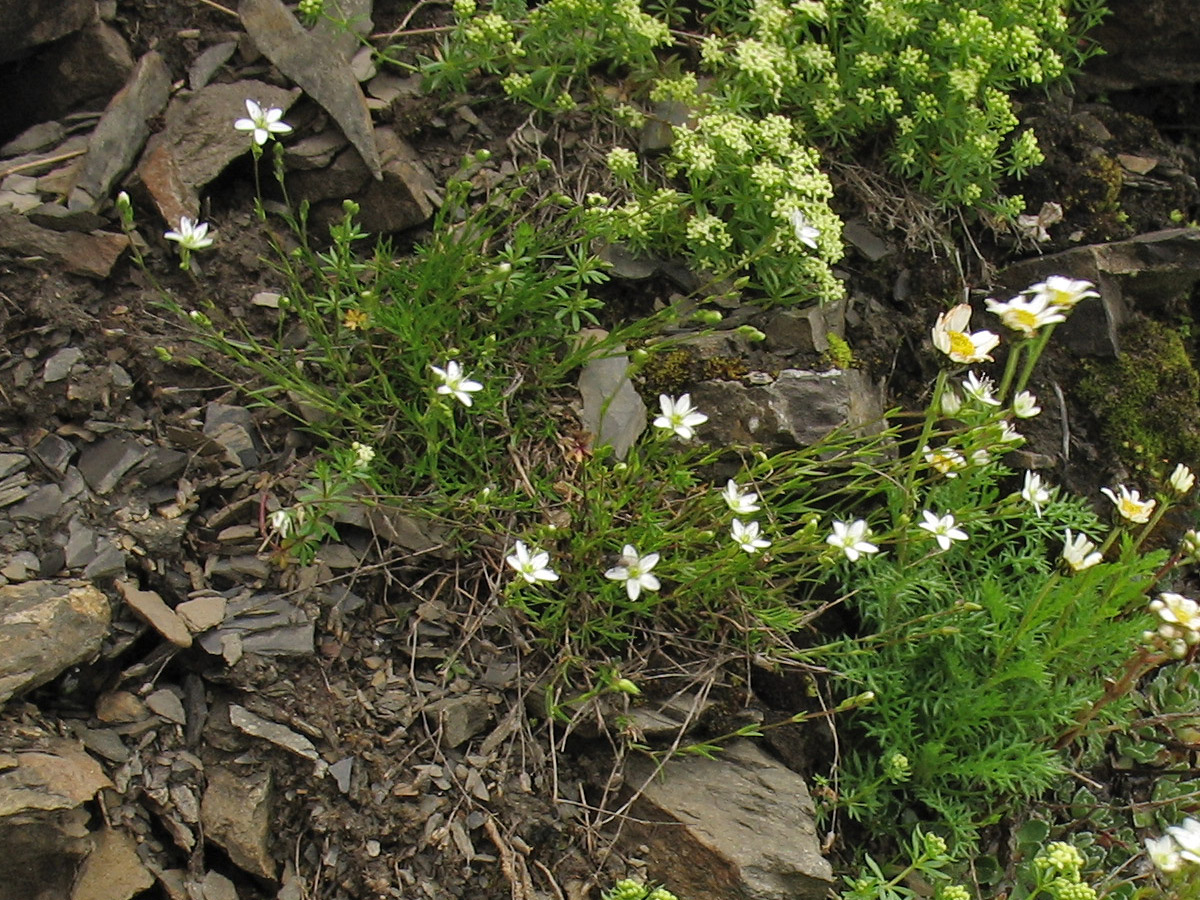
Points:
[(236, 814), (46, 627), (739, 825), (121, 133)]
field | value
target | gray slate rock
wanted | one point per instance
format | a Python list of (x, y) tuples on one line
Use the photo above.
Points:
[(313, 60), (1148, 272), (121, 133), (103, 465), (797, 409), (91, 255), (233, 428), (237, 814), (740, 825), (45, 628), (44, 783), (25, 24)]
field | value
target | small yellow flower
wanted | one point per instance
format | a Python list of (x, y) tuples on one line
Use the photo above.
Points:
[(356, 320)]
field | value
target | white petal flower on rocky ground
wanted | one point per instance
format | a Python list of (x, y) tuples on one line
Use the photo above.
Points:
[(191, 235), (532, 565), (1063, 292), (634, 570), (263, 123), (943, 528), (1034, 492), (1025, 405), (742, 503), (745, 535), (679, 416), (455, 382), (952, 336), (1130, 504), (851, 539), (980, 389), (1027, 314)]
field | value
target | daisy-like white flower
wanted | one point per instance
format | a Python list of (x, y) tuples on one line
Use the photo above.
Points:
[(1164, 853), (951, 336), (1062, 292), (1176, 609), (1182, 479), (1187, 836), (1079, 553), (1130, 504), (741, 503), (264, 123), (805, 232), (980, 389), (634, 570), (1025, 405), (1027, 314), (191, 235), (746, 536), (456, 382), (679, 416), (851, 539), (946, 460), (942, 528), (1034, 492), (532, 565)]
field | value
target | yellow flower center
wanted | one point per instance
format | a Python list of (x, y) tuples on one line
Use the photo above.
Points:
[(1024, 320), (961, 344)]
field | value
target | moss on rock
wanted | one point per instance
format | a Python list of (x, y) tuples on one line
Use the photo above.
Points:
[(1148, 399)]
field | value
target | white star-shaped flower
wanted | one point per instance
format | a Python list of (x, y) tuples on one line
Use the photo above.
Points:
[(745, 535), (805, 232), (634, 570), (263, 123), (1025, 405), (532, 565), (1034, 492), (456, 383), (679, 416), (741, 503), (943, 528), (851, 539), (979, 388), (191, 235)]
